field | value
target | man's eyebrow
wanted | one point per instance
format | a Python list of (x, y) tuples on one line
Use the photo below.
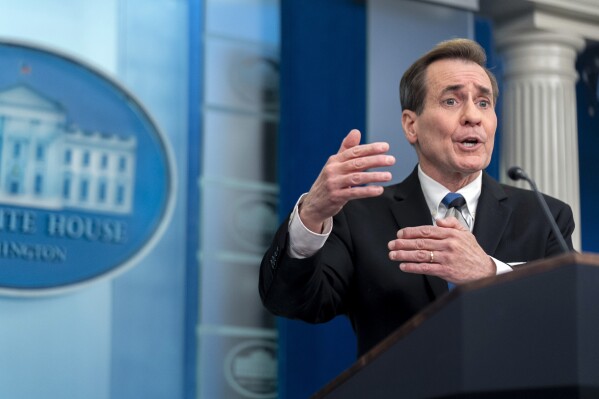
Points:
[(482, 89), (452, 88)]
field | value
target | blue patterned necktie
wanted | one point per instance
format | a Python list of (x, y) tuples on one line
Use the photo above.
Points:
[(454, 203)]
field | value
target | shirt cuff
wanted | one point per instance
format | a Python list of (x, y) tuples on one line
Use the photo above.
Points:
[(304, 243), (501, 267)]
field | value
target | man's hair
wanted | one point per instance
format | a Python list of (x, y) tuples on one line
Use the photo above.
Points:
[(413, 85)]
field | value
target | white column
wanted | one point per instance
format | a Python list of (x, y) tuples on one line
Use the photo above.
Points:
[(539, 130)]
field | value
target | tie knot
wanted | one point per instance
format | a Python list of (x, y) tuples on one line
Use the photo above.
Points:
[(453, 200)]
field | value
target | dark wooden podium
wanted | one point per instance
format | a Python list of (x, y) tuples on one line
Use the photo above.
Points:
[(532, 333)]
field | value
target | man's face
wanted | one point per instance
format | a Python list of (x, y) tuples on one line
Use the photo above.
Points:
[(454, 134)]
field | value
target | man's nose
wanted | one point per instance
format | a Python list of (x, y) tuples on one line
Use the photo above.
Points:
[(471, 114)]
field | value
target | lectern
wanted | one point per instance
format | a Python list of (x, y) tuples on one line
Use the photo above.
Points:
[(532, 333)]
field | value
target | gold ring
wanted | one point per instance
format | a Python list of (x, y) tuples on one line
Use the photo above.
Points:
[(432, 257)]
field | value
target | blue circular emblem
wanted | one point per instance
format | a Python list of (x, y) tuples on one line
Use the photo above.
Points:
[(86, 177)]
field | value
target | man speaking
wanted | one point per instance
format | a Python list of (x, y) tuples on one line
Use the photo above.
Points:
[(381, 254)]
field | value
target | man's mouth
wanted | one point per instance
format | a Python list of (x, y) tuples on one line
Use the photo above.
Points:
[(470, 142)]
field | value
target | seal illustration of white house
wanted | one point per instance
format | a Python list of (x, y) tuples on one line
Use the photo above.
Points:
[(47, 162), (87, 178)]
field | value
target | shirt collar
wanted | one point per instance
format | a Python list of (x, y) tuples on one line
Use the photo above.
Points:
[(434, 192)]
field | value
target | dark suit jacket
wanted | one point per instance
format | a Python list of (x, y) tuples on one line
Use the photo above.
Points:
[(353, 275)]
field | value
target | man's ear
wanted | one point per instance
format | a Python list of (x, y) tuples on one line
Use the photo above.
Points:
[(408, 122)]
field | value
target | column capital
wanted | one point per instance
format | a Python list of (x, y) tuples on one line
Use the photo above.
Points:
[(508, 38), (533, 52), (573, 17)]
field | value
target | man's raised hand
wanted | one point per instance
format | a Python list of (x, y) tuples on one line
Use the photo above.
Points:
[(344, 178)]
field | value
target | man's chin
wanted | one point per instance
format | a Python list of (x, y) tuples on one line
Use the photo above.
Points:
[(473, 166), (470, 169)]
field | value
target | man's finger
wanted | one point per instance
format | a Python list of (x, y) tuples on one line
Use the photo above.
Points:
[(431, 269), (451, 222), (361, 178), (416, 244), (363, 150), (435, 232), (351, 148), (351, 140), (367, 162)]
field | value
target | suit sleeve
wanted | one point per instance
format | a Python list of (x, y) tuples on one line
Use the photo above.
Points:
[(565, 221), (313, 289)]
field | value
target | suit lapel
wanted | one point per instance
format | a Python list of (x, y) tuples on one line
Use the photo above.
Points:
[(492, 216), (410, 210)]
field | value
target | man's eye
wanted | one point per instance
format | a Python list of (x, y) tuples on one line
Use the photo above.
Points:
[(484, 104), (450, 101)]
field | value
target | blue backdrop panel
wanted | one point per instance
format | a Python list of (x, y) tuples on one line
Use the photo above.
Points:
[(323, 53), (483, 34), (587, 94), (195, 20)]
